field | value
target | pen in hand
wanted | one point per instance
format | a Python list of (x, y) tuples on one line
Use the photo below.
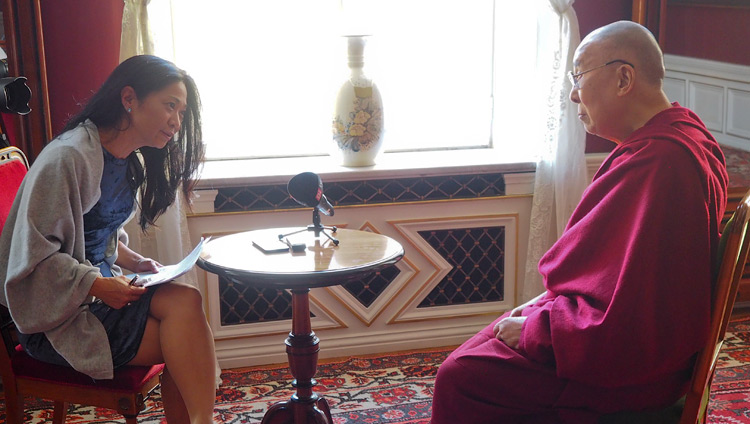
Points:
[(132, 282)]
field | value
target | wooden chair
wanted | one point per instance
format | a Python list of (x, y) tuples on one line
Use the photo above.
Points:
[(23, 375), (735, 242), (733, 254)]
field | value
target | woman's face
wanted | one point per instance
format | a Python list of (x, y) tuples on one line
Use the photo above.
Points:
[(158, 117)]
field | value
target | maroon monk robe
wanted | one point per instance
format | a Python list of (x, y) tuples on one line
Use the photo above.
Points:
[(628, 293)]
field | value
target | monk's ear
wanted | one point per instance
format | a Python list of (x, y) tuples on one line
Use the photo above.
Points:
[(625, 79)]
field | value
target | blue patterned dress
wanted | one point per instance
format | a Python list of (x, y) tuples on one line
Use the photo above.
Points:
[(114, 206)]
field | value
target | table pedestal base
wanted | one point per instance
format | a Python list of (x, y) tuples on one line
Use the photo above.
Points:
[(294, 411), (302, 347)]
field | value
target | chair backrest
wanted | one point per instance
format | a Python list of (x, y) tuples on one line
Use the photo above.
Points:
[(733, 254), (13, 167)]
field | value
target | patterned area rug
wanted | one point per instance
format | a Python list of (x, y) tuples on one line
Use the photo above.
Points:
[(394, 389), (738, 166), (730, 391)]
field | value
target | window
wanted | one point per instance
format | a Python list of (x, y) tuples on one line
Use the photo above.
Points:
[(453, 74)]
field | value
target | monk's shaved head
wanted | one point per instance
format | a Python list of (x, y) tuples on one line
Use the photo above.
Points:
[(631, 42), (619, 84)]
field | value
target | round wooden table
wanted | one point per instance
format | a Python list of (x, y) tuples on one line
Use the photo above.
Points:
[(321, 263)]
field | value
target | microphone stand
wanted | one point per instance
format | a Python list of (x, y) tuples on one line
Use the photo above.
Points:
[(317, 227)]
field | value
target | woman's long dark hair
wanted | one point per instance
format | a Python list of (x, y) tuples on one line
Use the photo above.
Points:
[(160, 172)]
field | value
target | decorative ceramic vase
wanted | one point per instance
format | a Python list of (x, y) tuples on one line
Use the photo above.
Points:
[(358, 113)]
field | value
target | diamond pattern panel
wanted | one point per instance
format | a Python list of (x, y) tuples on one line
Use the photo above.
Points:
[(369, 288), (339, 193), (253, 198), (243, 304), (478, 259)]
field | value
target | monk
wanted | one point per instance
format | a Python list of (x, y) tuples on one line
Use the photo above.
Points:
[(628, 284)]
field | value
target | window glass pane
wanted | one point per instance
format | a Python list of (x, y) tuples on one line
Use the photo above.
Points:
[(268, 71), (434, 67), (519, 94), (264, 72)]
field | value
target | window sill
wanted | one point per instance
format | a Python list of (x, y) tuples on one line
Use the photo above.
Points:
[(232, 173)]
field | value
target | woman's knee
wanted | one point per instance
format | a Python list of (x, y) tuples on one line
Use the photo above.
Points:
[(176, 296)]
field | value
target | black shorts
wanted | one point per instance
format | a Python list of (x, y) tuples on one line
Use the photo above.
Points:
[(124, 326)]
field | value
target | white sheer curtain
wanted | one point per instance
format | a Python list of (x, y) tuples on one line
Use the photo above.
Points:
[(136, 35), (169, 240), (561, 169)]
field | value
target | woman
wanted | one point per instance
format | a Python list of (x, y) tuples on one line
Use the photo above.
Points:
[(137, 140)]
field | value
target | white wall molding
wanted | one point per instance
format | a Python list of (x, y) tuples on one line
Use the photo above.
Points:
[(718, 92), (710, 68), (203, 202), (520, 183)]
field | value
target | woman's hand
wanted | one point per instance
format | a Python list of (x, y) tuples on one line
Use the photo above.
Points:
[(129, 259), (508, 330), (147, 266), (116, 291)]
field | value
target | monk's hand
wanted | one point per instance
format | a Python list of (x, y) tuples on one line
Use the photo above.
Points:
[(116, 292), (508, 330), (516, 312)]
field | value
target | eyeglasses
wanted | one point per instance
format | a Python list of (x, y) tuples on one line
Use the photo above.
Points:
[(575, 78)]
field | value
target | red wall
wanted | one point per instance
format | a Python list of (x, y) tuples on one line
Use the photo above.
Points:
[(593, 14), (82, 46), (709, 32)]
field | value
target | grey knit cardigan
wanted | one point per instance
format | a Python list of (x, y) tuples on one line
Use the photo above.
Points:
[(43, 268)]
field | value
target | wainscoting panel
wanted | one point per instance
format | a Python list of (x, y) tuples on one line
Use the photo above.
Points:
[(707, 100), (738, 119), (718, 92), (463, 247)]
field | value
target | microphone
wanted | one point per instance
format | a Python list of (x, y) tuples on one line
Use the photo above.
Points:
[(307, 190)]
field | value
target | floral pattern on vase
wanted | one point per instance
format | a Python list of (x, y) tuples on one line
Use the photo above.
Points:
[(361, 129), (358, 114)]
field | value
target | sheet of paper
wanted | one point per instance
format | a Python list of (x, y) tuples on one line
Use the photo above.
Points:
[(170, 272)]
